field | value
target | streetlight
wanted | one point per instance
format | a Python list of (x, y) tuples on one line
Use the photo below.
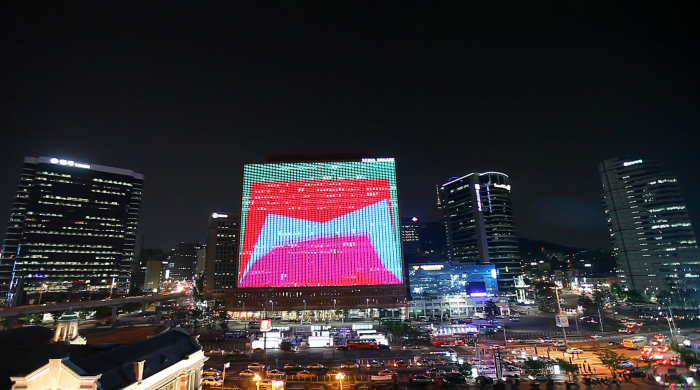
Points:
[(41, 292), (340, 377), (563, 329), (336, 315), (272, 315), (256, 379), (303, 314), (368, 308), (223, 376), (243, 307)]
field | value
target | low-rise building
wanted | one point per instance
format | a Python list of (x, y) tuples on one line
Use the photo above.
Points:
[(172, 360)]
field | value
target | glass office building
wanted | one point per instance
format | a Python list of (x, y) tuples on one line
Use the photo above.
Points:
[(72, 224), (647, 220), (479, 224)]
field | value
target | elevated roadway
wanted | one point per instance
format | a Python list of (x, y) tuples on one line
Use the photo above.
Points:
[(12, 313)]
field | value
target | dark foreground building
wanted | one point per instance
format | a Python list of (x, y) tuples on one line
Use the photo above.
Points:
[(29, 360)]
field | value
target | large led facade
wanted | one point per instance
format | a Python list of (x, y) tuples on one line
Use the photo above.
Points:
[(320, 224)]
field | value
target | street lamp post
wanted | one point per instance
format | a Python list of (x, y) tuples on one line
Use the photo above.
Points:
[(367, 308), (223, 376), (256, 379), (563, 330), (340, 377), (41, 292), (303, 314), (336, 316), (272, 315)]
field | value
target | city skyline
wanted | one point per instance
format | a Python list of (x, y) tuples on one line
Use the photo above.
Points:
[(444, 98)]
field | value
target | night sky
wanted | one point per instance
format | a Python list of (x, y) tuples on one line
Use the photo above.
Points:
[(186, 93)]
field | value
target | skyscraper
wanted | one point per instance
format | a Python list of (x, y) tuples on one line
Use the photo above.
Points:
[(479, 224), (140, 265), (182, 260), (410, 239), (647, 220), (71, 223), (220, 268)]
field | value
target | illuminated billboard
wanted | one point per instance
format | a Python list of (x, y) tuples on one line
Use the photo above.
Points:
[(320, 224)]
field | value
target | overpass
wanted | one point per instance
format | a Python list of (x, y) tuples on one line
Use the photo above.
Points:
[(12, 313)]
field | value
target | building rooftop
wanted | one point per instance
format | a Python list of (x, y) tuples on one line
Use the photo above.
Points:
[(19, 355)]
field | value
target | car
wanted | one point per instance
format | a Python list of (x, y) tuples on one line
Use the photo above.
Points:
[(211, 372), (292, 366), (305, 374), (627, 364), (234, 352), (247, 374), (375, 364), (538, 377), (402, 363), (511, 340), (212, 381), (663, 348), (420, 379), (435, 371), (256, 366), (640, 324), (558, 344), (314, 366), (455, 378), (623, 330), (382, 346), (217, 351), (342, 348), (410, 346), (596, 336), (275, 374), (574, 351), (349, 365), (514, 319), (694, 368), (545, 339), (656, 342), (386, 373), (696, 330), (258, 350)]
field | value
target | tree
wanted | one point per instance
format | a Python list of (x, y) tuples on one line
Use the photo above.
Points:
[(465, 369), (689, 357), (199, 287), (589, 307), (610, 359), (567, 367), (223, 320), (180, 316), (545, 295), (30, 319), (196, 317), (617, 291), (491, 309), (533, 366)]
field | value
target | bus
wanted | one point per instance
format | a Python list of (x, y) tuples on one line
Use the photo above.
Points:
[(392, 321), (634, 342), (362, 343), (449, 340)]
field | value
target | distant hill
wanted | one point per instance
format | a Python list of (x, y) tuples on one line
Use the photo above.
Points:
[(528, 246)]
